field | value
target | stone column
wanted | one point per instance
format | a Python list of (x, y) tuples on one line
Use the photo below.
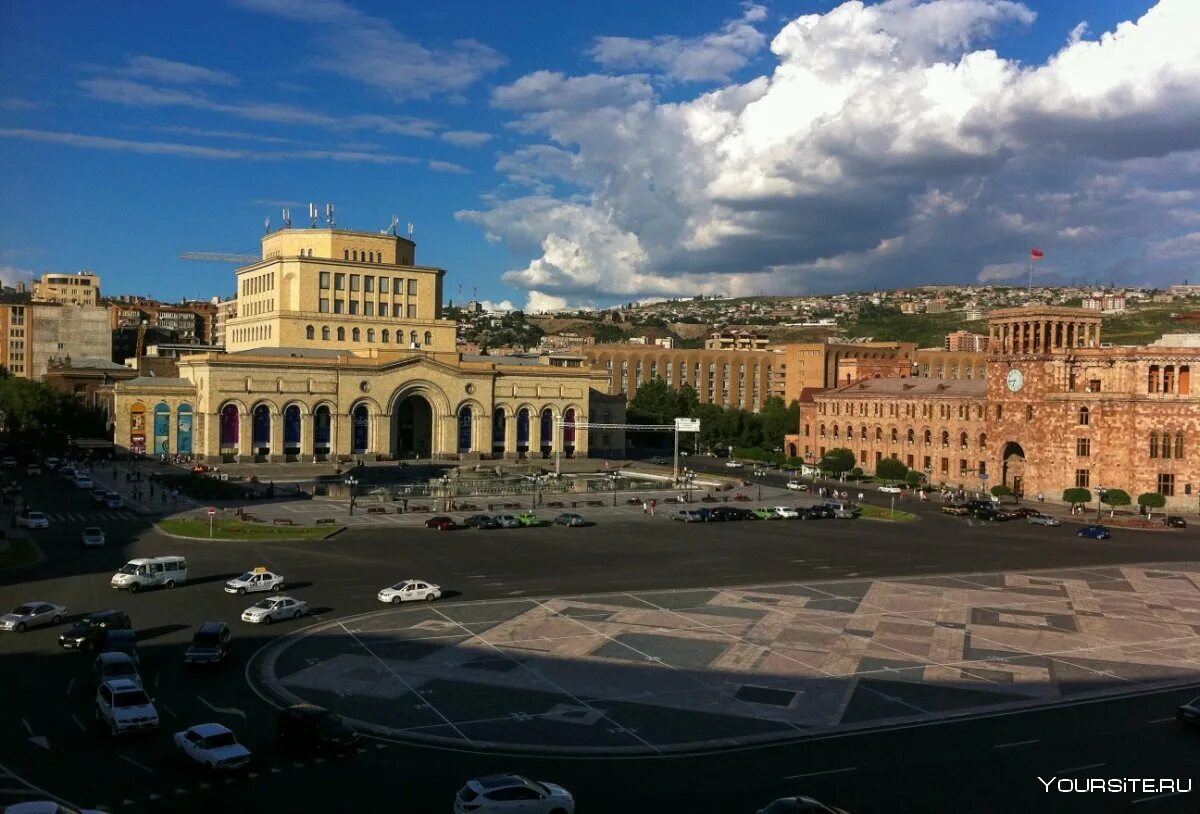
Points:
[(380, 433), (510, 434), (306, 437), (276, 455), (341, 433), (581, 436), (245, 450), (481, 432)]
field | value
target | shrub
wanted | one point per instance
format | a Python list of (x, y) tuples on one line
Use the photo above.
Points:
[(1077, 495)]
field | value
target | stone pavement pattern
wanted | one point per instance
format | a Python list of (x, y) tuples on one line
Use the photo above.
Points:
[(656, 671)]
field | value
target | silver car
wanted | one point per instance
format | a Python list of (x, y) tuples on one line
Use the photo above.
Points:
[(32, 614), (92, 537), (1043, 520)]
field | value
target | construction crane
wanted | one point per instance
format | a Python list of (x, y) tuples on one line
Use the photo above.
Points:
[(220, 257)]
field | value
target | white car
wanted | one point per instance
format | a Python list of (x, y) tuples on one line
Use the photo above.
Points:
[(34, 520), (733, 464), (797, 486), (260, 579), (84, 482), (787, 512), (891, 490), (92, 537), (410, 590), (212, 746), (123, 706), (32, 614), (272, 608), (501, 793), (114, 501)]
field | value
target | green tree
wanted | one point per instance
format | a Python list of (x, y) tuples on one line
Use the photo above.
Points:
[(914, 478), (605, 333), (1114, 498), (1076, 496), (655, 403), (890, 469), (776, 421), (838, 459), (1000, 490), (1151, 501)]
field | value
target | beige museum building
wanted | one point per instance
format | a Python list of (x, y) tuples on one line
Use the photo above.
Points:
[(338, 348)]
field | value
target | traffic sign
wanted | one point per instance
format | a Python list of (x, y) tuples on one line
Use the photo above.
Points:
[(983, 476), (212, 511), (687, 425)]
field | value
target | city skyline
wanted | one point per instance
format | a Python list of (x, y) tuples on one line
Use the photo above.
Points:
[(626, 157)]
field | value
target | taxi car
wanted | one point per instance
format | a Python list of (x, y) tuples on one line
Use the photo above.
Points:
[(409, 590), (268, 610), (258, 579)]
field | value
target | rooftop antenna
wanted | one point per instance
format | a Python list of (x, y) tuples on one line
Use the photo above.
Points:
[(287, 219), (410, 231), (312, 213), (329, 215), (267, 225), (395, 224), (475, 292)]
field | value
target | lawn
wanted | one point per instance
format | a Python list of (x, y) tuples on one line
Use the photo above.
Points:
[(15, 552), (881, 513), (230, 529)]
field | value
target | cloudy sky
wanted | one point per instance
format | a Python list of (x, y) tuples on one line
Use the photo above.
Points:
[(610, 153)]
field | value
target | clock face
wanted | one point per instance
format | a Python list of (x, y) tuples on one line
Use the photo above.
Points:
[(1016, 380)]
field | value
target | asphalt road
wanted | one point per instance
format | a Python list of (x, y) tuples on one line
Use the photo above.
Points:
[(981, 765)]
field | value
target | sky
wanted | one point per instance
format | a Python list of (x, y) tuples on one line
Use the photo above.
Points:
[(554, 155)]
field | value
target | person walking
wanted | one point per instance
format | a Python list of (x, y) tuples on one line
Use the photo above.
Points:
[(860, 497), (653, 506), (645, 508)]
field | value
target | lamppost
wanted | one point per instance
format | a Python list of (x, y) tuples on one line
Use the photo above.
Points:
[(1100, 492), (445, 493), (812, 473), (351, 482)]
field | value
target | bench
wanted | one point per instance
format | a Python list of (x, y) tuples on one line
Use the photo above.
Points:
[(326, 521), (467, 507), (554, 504), (418, 508), (249, 518), (283, 521), (377, 510), (595, 503), (513, 506)]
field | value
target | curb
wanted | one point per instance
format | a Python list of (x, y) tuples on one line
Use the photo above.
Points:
[(336, 530), (41, 558)]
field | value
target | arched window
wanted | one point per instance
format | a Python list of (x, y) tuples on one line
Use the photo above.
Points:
[(1029, 412), (341, 334), (230, 433), (836, 432), (412, 338), (983, 440), (879, 433), (1154, 445), (862, 432), (1164, 448), (386, 337), (1085, 416), (895, 435), (310, 332), (360, 428), (356, 335), (371, 257), (962, 440), (1178, 444), (428, 338), (325, 332), (345, 254), (912, 435), (945, 438), (465, 428), (371, 335), (354, 255), (928, 437), (822, 431), (569, 430)]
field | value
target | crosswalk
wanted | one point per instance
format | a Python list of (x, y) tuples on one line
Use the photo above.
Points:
[(90, 517)]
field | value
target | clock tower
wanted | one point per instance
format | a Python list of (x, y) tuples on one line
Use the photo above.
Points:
[(1030, 414)]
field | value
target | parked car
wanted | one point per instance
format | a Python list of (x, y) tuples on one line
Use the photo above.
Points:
[(1175, 521), (797, 486), (818, 513), (1042, 520), (212, 746), (891, 490), (32, 614), (528, 519), (274, 607), (688, 516), (1094, 532), (570, 519), (737, 513), (659, 460), (787, 512), (89, 632), (441, 523), (410, 590), (507, 521), (309, 728), (120, 641), (764, 513), (210, 644), (114, 665), (33, 520), (123, 706), (500, 793), (481, 521), (1023, 511), (1189, 713), (92, 537)]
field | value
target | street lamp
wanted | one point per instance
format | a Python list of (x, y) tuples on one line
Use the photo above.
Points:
[(1100, 492), (445, 479), (351, 482)]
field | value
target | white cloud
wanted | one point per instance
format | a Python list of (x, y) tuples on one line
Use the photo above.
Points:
[(887, 139), (1002, 272), (503, 305), (373, 52), (1181, 246), (466, 138), (449, 166), (712, 56), (11, 275), (155, 69)]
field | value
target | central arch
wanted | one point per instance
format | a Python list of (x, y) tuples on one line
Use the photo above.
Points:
[(412, 427), (1013, 462)]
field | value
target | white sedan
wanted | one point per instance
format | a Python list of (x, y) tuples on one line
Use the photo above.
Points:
[(212, 746), (276, 607), (891, 490), (410, 590), (787, 512), (92, 537), (260, 579), (733, 464), (32, 614), (33, 520), (797, 486)]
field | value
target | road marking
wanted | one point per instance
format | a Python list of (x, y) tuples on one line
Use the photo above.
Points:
[(70, 686), (170, 711), (1081, 768), (1161, 720), (223, 710), (1159, 796), (28, 728), (818, 774), (133, 762), (1016, 743), (78, 722)]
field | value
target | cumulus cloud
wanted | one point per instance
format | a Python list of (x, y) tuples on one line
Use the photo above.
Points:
[(11, 275), (156, 69), (503, 305), (712, 56), (887, 140)]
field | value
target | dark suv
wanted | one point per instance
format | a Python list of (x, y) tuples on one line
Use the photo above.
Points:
[(210, 645), (90, 631), (305, 727), (1175, 521)]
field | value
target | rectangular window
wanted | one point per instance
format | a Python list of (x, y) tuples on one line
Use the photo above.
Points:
[(339, 306), (369, 284), (412, 288), (412, 311), (383, 309), (354, 282), (339, 282), (383, 285), (1166, 484), (323, 305), (1093, 385), (1083, 478), (398, 285), (368, 308), (945, 466), (1083, 447), (353, 306), (324, 279)]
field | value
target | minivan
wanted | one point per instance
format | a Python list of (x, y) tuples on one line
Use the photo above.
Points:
[(148, 572)]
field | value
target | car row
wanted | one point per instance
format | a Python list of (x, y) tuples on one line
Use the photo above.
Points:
[(704, 514), (443, 522)]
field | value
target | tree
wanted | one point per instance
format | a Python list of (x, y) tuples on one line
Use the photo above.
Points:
[(891, 469), (914, 478), (838, 459), (1151, 501), (1114, 498), (776, 421), (1000, 490), (1076, 496), (655, 403)]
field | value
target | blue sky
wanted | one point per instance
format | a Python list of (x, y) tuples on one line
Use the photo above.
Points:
[(557, 154)]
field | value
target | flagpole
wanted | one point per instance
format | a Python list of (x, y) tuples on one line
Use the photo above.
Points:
[(1031, 274)]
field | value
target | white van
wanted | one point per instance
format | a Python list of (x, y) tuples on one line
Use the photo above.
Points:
[(151, 571)]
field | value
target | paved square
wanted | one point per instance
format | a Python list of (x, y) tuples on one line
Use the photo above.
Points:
[(667, 670)]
